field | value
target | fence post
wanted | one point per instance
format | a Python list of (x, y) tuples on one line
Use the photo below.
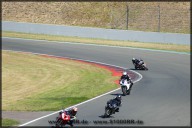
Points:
[(127, 19), (111, 21), (159, 18)]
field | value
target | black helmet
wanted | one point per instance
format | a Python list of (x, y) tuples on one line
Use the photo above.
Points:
[(118, 97)]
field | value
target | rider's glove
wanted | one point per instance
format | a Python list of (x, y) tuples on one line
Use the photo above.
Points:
[(73, 118)]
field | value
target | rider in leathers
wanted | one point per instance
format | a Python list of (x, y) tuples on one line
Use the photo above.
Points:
[(117, 101), (126, 76), (72, 112), (137, 62)]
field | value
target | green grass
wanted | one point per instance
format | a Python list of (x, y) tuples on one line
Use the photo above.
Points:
[(9, 122), (158, 46), (36, 83)]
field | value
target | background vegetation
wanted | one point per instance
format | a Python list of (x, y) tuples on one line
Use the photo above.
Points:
[(143, 16)]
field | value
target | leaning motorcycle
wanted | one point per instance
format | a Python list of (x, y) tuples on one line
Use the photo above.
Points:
[(141, 66), (110, 108), (62, 119), (125, 86)]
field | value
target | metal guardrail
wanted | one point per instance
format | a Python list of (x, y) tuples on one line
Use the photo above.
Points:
[(99, 33)]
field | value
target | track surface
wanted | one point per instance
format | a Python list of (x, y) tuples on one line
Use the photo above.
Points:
[(161, 98)]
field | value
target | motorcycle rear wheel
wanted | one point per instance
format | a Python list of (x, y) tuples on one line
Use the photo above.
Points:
[(59, 123)]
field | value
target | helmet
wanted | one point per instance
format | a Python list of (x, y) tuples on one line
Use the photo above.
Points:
[(74, 111), (124, 73), (118, 97), (133, 59)]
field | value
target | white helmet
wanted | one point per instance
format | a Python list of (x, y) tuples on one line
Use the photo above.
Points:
[(133, 59), (124, 73)]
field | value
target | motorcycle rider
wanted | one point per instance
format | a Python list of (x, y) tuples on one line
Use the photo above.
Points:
[(141, 62), (126, 76), (112, 106), (72, 112), (117, 100), (137, 62)]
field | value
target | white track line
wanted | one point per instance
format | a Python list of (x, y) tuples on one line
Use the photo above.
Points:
[(102, 45), (140, 77)]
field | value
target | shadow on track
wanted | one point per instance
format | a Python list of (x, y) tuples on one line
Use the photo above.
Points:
[(102, 116), (116, 94)]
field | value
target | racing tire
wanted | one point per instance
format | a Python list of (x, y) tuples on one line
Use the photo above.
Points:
[(107, 112), (124, 90)]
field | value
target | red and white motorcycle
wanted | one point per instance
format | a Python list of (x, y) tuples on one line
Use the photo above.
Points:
[(62, 119)]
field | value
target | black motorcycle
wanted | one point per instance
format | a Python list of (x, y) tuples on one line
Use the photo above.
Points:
[(141, 66), (111, 108)]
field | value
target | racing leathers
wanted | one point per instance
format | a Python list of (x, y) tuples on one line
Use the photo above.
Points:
[(137, 62)]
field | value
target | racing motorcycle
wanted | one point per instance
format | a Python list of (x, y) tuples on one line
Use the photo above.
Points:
[(125, 86), (62, 119), (110, 108), (141, 66)]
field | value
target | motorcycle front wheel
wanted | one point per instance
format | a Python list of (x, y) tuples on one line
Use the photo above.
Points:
[(124, 90), (107, 112), (58, 122), (128, 92)]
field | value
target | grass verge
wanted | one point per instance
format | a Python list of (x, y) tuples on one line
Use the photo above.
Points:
[(158, 46), (34, 83), (9, 122)]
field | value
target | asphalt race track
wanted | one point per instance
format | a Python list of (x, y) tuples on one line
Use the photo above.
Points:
[(160, 98)]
